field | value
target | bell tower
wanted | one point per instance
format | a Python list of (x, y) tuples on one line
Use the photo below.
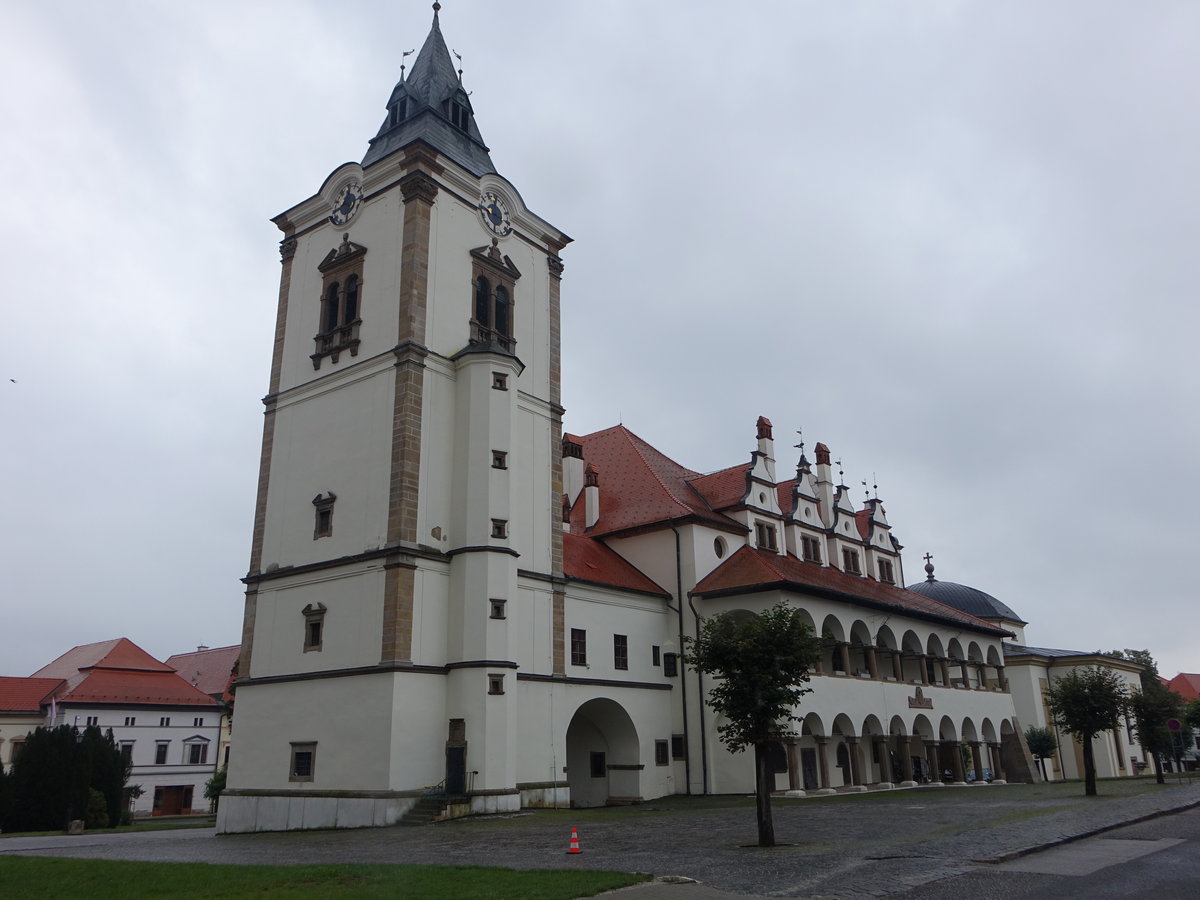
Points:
[(406, 563)]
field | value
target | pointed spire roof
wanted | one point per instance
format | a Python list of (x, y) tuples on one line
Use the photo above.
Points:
[(431, 105)]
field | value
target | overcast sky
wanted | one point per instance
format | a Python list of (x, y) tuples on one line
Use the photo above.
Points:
[(959, 242)]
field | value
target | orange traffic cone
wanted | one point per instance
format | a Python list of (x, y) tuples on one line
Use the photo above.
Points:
[(574, 848)]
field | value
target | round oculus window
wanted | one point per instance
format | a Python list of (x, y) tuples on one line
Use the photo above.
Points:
[(719, 547)]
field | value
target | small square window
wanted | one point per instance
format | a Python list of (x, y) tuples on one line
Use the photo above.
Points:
[(886, 573), (160, 754), (499, 459), (620, 651), (764, 536), (662, 753), (498, 608), (303, 763), (198, 722), (810, 547), (95, 720), (599, 765), (850, 562), (495, 684), (127, 752), (670, 665), (164, 722), (130, 721), (578, 647), (678, 747), (499, 528), (655, 655), (499, 381)]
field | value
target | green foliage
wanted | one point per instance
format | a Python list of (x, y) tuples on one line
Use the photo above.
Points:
[(763, 661), (96, 815), (57, 769), (1042, 742), (1086, 702), (33, 878), (5, 795), (214, 786)]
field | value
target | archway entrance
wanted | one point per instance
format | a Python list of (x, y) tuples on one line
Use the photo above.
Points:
[(603, 764)]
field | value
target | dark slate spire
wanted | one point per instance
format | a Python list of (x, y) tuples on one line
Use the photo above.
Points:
[(431, 105)]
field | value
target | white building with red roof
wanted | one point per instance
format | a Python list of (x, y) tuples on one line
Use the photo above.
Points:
[(24, 705), (212, 670), (167, 728), (447, 595)]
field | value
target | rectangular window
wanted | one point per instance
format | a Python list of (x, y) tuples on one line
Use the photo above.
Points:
[(495, 684), (499, 608), (323, 508), (810, 547), (599, 765), (95, 720), (499, 459), (662, 753), (499, 528), (303, 763), (314, 626), (620, 651), (164, 721), (160, 753), (130, 721), (655, 655), (17, 747), (499, 381), (578, 647), (886, 574), (198, 722), (850, 562), (127, 751), (670, 666), (764, 536), (197, 754), (678, 747)]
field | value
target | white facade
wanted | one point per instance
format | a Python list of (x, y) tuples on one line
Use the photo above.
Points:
[(446, 596)]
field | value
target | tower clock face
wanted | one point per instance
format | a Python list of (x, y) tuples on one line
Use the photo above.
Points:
[(495, 214), (345, 205)]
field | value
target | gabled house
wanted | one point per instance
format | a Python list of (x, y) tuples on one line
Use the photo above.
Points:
[(212, 670), (24, 705)]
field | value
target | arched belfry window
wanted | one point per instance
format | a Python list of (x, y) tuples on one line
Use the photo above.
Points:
[(493, 309), (341, 302), (502, 322), (350, 300), (483, 302)]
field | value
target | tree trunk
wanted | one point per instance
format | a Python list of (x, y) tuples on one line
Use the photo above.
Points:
[(762, 792), (1158, 772), (1089, 767)]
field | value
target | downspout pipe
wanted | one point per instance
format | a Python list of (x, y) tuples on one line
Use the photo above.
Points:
[(699, 676), (687, 757)]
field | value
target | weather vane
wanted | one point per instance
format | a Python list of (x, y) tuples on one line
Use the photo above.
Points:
[(841, 474), (458, 56), (403, 56), (800, 446)]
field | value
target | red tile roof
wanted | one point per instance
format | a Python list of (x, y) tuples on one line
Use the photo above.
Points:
[(587, 559), (725, 488), (26, 695), (133, 688), (209, 670), (1186, 685), (119, 671), (639, 486), (748, 570)]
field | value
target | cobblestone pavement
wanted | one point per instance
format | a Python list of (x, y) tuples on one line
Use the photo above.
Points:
[(851, 846)]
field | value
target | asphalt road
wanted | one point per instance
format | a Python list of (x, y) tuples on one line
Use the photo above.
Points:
[(1158, 859)]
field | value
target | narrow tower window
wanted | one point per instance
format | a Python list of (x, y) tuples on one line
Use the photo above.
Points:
[(503, 325), (483, 296), (350, 301), (330, 318), (323, 507)]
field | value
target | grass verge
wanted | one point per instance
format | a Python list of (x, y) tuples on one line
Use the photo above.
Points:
[(33, 878)]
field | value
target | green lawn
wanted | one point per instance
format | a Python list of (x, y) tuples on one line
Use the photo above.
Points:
[(31, 877)]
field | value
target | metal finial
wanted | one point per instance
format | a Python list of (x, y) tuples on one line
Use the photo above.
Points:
[(800, 446), (875, 485), (404, 56), (458, 56), (929, 567), (436, 6), (841, 474), (866, 493)]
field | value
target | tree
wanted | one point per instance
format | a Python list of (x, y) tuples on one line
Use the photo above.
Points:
[(1152, 708), (1086, 702), (1042, 744), (58, 767), (213, 788), (762, 662)]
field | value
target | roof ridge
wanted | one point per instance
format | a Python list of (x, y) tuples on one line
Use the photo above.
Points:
[(637, 443)]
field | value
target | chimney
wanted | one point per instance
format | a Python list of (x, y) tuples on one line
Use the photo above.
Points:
[(572, 458), (201, 648), (591, 496), (824, 485), (766, 447)]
